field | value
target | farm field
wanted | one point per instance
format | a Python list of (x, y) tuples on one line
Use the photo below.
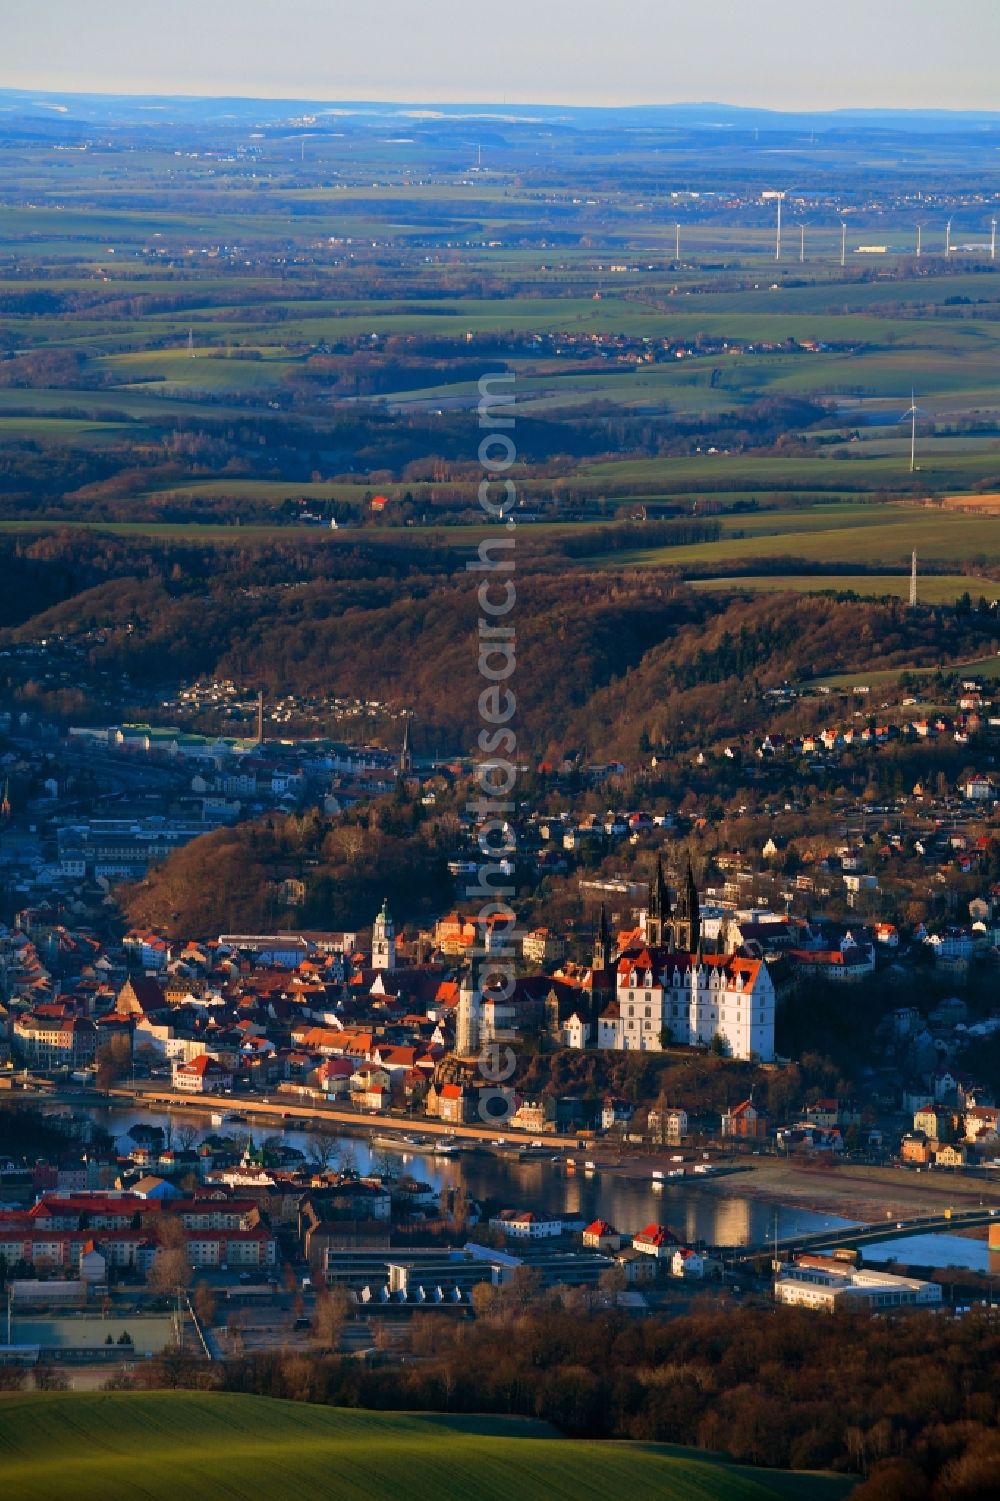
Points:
[(843, 535), (204, 371), (83, 1447), (937, 538), (180, 530), (132, 403), (986, 504), (935, 589), (816, 518), (709, 472), (330, 294), (980, 667)]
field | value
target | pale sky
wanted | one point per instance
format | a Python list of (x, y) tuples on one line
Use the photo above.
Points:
[(781, 54)]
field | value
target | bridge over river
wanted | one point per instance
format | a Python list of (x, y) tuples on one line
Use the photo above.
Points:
[(868, 1235)]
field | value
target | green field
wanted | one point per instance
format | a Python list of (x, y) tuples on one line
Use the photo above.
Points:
[(979, 667), (709, 472), (108, 1447), (278, 262), (933, 589), (937, 538), (857, 536)]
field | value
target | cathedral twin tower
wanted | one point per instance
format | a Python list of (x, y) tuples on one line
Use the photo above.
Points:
[(676, 928)]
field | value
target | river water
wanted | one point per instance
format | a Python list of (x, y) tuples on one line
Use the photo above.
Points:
[(719, 1215)]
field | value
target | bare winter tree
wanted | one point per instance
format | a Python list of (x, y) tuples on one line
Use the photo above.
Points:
[(185, 1136), (321, 1150), (329, 1316)]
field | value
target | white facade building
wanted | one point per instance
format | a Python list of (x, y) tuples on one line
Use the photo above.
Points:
[(666, 998), (827, 1289), (523, 1224)]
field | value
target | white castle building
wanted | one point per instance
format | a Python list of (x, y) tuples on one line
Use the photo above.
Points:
[(667, 991)]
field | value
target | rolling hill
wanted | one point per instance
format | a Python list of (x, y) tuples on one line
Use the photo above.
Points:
[(105, 1446)]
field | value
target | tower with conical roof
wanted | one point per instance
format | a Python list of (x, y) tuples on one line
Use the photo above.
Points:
[(384, 940), (468, 1022)]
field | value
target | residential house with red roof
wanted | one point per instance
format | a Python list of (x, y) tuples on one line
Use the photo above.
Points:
[(524, 1224), (656, 1240), (203, 1075), (687, 1264), (600, 1235), (744, 1120), (451, 1103)]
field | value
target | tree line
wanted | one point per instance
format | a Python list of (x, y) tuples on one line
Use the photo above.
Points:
[(907, 1402)]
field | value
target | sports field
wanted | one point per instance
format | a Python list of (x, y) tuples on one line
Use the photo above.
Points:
[(109, 1446)]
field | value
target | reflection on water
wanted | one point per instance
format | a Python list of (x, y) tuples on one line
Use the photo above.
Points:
[(733, 1222), (720, 1216)]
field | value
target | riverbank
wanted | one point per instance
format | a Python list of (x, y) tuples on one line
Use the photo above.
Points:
[(856, 1191), (319, 1116), (711, 1208), (849, 1191)]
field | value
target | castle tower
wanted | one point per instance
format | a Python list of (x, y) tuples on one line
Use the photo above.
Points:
[(468, 1023), (384, 940)]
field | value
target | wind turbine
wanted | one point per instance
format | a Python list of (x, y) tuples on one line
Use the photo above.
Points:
[(947, 238), (919, 229), (843, 242), (777, 239), (911, 412), (993, 239), (677, 242), (802, 240)]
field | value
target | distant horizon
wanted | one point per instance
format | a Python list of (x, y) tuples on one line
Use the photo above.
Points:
[(344, 103)]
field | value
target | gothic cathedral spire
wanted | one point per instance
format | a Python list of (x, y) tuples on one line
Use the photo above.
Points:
[(406, 754)]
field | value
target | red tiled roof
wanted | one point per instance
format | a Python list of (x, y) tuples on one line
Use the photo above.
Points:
[(656, 1235), (600, 1227), (202, 1065)]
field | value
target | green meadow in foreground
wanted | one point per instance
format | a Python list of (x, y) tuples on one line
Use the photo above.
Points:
[(109, 1446)]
